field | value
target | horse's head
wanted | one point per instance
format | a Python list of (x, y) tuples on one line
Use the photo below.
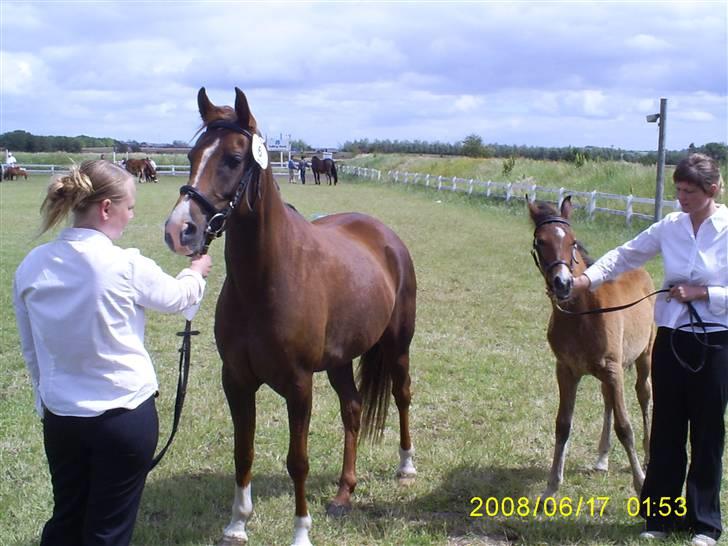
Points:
[(554, 246), (225, 164)]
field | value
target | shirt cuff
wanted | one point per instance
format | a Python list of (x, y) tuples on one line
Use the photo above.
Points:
[(718, 300), (595, 276)]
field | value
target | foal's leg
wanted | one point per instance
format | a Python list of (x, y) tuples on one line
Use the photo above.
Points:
[(568, 383), (342, 379), (298, 402), (605, 440), (613, 378), (643, 386), (241, 399)]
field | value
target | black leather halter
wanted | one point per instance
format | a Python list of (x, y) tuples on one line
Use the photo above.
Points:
[(537, 257), (217, 218)]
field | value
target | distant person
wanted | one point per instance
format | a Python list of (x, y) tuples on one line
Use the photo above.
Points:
[(11, 161), (302, 169), (80, 303), (291, 170)]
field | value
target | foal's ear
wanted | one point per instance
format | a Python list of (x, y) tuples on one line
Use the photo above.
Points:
[(204, 104), (242, 110), (566, 207), (532, 208)]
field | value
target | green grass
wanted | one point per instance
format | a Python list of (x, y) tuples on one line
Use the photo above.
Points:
[(484, 393), (605, 176)]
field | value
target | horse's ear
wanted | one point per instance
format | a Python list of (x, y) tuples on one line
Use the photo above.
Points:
[(566, 207), (242, 110), (204, 104), (532, 208)]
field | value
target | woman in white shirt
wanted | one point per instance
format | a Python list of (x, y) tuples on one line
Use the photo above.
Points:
[(689, 384), (80, 303)]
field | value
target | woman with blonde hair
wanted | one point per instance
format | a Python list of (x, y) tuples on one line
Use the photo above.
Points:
[(689, 359), (80, 305)]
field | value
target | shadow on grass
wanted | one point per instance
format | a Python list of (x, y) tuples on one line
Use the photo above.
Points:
[(189, 509)]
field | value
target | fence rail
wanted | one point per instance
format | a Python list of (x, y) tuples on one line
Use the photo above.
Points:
[(592, 202), (167, 170)]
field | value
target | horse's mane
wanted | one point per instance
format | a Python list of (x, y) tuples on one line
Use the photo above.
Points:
[(544, 210)]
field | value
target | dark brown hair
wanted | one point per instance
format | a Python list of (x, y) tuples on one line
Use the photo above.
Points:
[(700, 170)]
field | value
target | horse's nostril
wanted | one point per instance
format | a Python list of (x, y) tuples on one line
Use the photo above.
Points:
[(559, 283), (189, 231)]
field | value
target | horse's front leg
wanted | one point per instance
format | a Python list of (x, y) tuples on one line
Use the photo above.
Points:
[(568, 383), (298, 402), (241, 399), (342, 380), (605, 441)]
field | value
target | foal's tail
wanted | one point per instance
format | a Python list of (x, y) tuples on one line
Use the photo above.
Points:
[(375, 385)]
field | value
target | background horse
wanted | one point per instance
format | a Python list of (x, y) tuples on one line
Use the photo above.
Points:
[(142, 169), (324, 166), (602, 345), (10, 173), (298, 298)]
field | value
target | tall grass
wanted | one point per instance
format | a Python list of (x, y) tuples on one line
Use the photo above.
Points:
[(484, 394), (605, 176)]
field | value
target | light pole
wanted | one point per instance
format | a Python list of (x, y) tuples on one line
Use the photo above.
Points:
[(661, 119)]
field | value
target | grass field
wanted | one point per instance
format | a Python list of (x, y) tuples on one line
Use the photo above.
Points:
[(484, 394)]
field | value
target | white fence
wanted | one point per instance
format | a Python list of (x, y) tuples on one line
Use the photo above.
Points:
[(166, 170), (592, 202)]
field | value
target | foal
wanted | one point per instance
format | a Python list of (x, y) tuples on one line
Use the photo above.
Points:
[(602, 345)]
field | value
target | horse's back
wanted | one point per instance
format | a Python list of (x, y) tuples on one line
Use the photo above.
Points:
[(361, 229)]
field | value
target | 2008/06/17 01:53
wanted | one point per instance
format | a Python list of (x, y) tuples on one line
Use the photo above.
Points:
[(566, 507)]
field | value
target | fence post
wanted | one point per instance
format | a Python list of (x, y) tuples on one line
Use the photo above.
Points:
[(487, 188), (533, 193), (427, 181), (439, 183), (470, 187), (454, 184), (629, 209), (509, 191), (592, 205)]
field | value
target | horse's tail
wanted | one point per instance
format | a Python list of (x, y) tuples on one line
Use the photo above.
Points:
[(375, 385), (333, 171)]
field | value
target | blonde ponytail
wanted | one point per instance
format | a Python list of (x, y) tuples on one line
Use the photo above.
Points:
[(92, 182)]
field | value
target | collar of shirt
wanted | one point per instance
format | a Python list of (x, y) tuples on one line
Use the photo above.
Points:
[(84, 234)]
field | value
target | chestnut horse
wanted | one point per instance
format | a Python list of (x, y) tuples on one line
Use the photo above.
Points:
[(299, 297), (12, 172), (602, 345), (324, 166), (142, 169)]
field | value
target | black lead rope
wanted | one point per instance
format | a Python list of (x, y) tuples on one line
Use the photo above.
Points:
[(184, 373), (695, 319)]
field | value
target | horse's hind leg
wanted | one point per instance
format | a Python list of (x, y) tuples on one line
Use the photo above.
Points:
[(568, 383), (241, 400), (643, 387), (605, 440), (613, 377), (342, 380)]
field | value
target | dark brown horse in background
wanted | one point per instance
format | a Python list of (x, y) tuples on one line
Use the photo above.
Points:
[(299, 297), (324, 166), (11, 173), (142, 169), (602, 345)]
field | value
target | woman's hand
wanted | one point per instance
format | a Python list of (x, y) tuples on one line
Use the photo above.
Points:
[(688, 292), (201, 264), (581, 285)]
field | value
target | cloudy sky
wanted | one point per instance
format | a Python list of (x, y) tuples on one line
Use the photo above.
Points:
[(530, 73)]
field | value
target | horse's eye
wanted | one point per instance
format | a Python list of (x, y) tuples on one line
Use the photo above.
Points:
[(233, 161)]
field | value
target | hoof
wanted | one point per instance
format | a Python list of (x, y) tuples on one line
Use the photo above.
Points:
[(232, 541), (406, 481), (337, 510)]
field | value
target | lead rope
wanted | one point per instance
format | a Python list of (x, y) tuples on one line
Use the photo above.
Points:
[(184, 371)]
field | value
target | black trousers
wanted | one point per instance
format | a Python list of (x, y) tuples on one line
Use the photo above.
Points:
[(98, 468), (687, 403)]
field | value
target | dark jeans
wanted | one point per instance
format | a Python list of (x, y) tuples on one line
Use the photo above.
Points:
[(686, 402), (98, 468)]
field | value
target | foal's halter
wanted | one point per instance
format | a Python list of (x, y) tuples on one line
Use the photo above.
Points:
[(217, 218), (546, 269)]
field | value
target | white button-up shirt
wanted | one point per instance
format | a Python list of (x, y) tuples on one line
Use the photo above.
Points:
[(690, 259), (79, 303)]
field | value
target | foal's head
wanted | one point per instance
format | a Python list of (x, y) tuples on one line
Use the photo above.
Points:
[(224, 169), (555, 250)]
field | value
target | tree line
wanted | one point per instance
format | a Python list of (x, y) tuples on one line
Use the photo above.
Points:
[(473, 146), (23, 141)]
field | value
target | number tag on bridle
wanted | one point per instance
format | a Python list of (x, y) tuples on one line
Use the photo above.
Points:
[(260, 154)]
